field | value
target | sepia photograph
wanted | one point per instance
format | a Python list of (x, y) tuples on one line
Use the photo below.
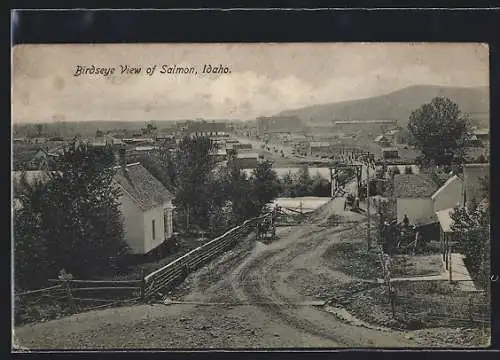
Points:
[(250, 196)]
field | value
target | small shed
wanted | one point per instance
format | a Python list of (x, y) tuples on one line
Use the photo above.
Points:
[(412, 194)]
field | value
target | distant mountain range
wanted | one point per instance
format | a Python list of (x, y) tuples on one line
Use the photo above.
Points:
[(397, 105)]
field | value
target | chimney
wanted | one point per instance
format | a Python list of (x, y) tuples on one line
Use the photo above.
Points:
[(123, 158)]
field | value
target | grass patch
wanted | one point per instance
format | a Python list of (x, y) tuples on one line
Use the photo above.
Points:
[(475, 275), (417, 265), (353, 259), (420, 305)]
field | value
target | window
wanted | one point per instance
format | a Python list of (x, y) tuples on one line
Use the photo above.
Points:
[(153, 224)]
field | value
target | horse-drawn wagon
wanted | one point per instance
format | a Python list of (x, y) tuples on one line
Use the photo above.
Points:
[(401, 239), (266, 227)]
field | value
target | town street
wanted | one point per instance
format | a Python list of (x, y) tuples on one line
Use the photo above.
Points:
[(256, 295)]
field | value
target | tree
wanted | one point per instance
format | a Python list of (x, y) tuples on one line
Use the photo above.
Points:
[(32, 260), (102, 156), (320, 186), (241, 194), (303, 186), (149, 129), (99, 133), (287, 185), (266, 185), (39, 129), (472, 226), (73, 218), (188, 169), (440, 130)]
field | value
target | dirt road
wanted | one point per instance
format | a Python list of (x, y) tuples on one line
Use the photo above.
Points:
[(255, 296)]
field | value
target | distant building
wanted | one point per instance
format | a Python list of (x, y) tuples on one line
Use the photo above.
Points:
[(113, 141), (413, 198), (389, 153), (219, 155), (37, 140), (146, 148), (41, 159), (383, 140), (479, 138), (146, 205), (319, 148), (246, 160), (374, 126), (279, 125), (241, 146), (99, 142)]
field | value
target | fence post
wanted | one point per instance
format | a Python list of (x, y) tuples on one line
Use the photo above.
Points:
[(65, 277), (449, 263), (143, 284)]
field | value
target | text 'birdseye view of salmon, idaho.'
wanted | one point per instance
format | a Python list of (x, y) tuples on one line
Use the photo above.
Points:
[(228, 196)]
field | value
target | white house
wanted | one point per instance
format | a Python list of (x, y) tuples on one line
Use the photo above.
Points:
[(476, 177), (146, 206), (412, 194), (449, 195)]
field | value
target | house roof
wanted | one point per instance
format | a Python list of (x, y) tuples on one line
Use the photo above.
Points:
[(247, 155), (445, 185), (390, 149), (146, 190), (146, 148), (219, 152), (413, 186), (481, 132), (392, 132), (320, 144), (445, 220), (379, 138)]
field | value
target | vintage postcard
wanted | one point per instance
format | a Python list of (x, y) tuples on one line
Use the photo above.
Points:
[(251, 196)]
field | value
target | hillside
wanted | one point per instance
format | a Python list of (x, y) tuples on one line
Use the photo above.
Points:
[(397, 105)]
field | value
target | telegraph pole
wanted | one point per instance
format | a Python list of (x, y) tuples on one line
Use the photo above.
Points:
[(368, 235)]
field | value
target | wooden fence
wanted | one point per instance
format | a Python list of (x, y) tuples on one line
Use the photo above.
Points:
[(101, 290), (176, 271), (68, 296)]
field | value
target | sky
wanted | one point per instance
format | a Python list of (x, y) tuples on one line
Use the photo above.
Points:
[(264, 79)]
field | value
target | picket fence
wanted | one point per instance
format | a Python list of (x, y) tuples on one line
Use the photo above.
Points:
[(173, 273)]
